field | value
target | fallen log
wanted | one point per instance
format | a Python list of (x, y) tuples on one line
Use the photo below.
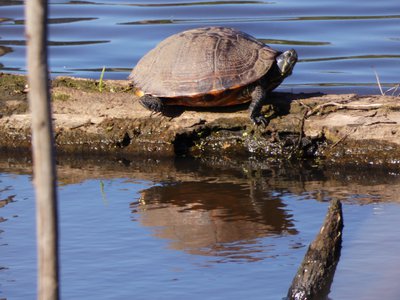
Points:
[(344, 128), (315, 274)]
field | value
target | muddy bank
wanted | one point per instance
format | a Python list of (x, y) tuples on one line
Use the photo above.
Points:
[(338, 128)]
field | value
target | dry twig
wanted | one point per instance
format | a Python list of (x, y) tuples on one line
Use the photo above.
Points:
[(320, 107)]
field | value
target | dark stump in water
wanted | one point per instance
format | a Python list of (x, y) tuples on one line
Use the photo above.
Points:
[(315, 275)]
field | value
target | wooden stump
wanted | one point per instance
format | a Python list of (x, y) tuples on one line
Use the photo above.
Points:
[(314, 276)]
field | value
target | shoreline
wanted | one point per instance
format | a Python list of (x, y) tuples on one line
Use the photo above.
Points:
[(344, 128)]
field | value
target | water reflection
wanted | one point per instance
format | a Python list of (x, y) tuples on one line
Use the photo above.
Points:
[(54, 43), (210, 218), (4, 50), (254, 184), (332, 41), (222, 210), (236, 19), (196, 3), (4, 200), (371, 17), (287, 42), (11, 2), (353, 57), (59, 20)]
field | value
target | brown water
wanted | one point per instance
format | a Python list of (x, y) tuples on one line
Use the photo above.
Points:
[(200, 229)]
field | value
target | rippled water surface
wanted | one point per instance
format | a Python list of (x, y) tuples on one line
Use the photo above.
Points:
[(341, 44), (189, 229)]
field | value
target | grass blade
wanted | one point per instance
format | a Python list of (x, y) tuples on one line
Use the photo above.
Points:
[(101, 79)]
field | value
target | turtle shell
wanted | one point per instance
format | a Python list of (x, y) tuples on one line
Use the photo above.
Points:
[(202, 61)]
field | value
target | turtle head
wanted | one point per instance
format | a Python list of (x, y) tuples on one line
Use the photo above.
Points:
[(286, 62)]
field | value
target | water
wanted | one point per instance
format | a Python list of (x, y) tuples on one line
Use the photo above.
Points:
[(341, 44), (200, 230)]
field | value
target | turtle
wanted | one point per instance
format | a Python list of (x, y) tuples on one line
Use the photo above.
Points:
[(210, 67)]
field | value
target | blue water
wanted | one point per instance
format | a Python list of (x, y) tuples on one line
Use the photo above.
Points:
[(154, 236), (341, 44)]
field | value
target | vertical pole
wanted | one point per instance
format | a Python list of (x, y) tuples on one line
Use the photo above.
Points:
[(43, 149)]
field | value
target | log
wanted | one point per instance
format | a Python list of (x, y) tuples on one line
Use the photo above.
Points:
[(315, 275), (336, 128)]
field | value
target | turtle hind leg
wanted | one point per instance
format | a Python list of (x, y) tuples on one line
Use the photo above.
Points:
[(258, 98), (154, 104)]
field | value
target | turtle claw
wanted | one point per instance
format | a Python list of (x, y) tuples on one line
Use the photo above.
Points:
[(260, 120), (155, 113)]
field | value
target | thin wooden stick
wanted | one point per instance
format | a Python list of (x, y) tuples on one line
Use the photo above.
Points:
[(320, 107), (394, 89), (43, 150)]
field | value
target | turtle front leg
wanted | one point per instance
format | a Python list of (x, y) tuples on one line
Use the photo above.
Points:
[(257, 101), (152, 103)]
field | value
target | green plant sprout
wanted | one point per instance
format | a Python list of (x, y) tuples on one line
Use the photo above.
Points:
[(101, 79), (103, 193)]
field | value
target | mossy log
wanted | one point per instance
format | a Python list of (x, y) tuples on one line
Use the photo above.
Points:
[(314, 276), (346, 128)]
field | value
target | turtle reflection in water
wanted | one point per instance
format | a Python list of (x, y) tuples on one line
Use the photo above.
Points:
[(211, 66)]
